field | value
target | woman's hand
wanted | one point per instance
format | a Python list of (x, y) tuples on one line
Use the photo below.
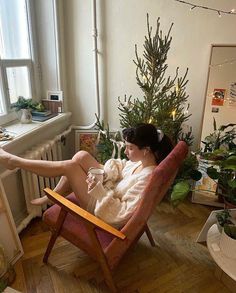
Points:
[(91, 182)]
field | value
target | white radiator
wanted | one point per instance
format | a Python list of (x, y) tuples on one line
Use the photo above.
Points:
[(33, 184)]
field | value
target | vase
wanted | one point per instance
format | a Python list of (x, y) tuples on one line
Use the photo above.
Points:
[(26, 116)]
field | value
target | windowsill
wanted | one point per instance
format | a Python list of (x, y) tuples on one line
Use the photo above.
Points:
[(22, 131)]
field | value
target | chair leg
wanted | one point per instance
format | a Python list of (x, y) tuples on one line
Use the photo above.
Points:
[(55, 234), (101, 258), (149, 235), (108, 277)]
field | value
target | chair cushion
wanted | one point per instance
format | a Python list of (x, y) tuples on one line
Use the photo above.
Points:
[(74, 229)]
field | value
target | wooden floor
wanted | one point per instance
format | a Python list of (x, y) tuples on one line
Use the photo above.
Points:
[(176, 264)]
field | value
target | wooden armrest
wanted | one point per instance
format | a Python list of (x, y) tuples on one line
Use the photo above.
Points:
[(75, 209)]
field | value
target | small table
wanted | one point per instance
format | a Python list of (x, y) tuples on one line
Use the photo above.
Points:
[(226, 264)]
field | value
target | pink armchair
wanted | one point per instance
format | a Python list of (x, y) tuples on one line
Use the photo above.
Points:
[(102, 242)]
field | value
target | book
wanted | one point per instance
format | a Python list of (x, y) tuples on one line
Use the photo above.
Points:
[(41, 113), (43, 118)]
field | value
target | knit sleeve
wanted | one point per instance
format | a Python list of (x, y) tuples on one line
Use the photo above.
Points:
[(115, 210), (113, 169)]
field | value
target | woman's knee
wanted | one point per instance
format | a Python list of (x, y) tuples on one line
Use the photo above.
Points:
[(81, 156)]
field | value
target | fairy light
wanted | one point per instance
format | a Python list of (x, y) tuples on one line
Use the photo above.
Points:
[(144, 78), (218, 11), (177, 89), (173, 115), (150, 120)]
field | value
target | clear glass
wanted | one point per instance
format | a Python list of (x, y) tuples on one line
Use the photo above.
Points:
[(14, 32), (18, 83)]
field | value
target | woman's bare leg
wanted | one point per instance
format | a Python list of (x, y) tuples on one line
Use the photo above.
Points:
[(75, 170), (48, 168), (63, 188)]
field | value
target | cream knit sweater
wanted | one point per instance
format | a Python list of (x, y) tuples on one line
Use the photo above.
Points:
[(115, 200)]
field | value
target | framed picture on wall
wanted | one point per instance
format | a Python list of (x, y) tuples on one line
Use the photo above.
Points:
[(89, 140), (86, 140), (54, 95), (218, 97)]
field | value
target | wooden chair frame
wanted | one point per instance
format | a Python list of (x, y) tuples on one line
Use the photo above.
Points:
[(91, 222)]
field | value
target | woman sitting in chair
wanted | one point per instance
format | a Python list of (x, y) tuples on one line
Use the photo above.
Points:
[(116, 198)]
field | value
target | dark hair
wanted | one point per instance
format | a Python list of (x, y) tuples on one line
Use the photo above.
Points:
[(146, 135)]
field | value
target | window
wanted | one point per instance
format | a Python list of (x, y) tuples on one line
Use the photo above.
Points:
[(16, 59)]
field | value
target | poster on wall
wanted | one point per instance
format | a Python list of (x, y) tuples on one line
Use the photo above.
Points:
[(218, 97)]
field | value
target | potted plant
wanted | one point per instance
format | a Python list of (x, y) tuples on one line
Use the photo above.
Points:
[(226, 176), (25, 106), (227, 227), (223, 217), (221, 138), (228, 240), (218, 160)]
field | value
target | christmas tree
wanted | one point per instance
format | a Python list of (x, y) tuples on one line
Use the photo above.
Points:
[(164, 104), (164, 101)]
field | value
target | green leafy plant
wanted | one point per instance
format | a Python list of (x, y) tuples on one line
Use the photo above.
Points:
[(223, 217), (23, 103), (226, 175), (230, 230), (221, 138), (164, 101), (183, 182)]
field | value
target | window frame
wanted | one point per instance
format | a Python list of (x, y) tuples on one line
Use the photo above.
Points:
[(30, 64)]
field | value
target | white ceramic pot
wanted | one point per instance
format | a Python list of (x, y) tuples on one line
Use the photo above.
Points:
[(228, 245), (26, 116)]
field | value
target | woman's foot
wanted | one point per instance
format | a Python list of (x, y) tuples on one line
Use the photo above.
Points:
[(41, 201), (6, 159)]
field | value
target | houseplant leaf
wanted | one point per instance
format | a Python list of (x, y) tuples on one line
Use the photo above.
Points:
[(230, 163), (232, 183), (179, 192), (195, 175), (213, 173)]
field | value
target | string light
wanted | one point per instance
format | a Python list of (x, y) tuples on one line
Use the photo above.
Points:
[(219, 11), (173, 115), (150, 120)]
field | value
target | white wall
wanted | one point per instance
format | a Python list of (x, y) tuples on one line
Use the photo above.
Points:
[(121, 25)]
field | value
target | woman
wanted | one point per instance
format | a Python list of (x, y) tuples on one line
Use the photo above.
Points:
[(115, 200)]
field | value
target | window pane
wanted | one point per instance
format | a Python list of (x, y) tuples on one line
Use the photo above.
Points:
[(1, 103), (18, 83), (14, 40)]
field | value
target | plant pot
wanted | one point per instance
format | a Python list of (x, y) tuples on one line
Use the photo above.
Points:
[(26, 116), (228, 245)]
